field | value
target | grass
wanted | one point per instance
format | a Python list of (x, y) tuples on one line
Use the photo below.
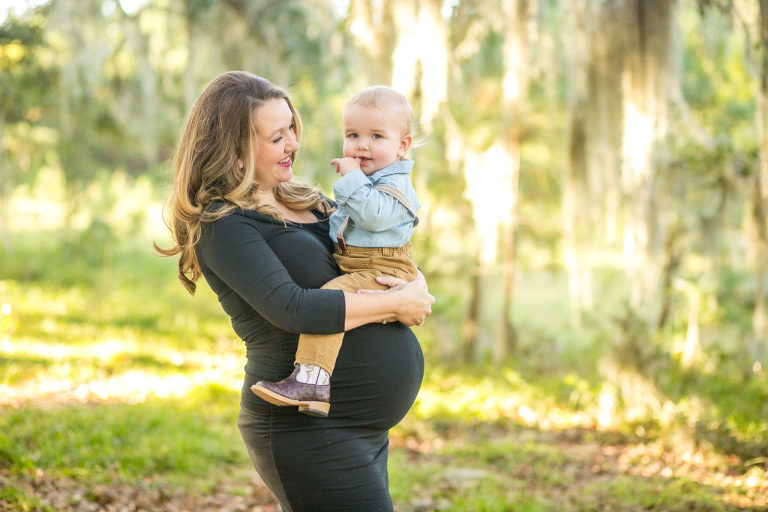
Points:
[(114, 380), (511, 468), (175, 439)]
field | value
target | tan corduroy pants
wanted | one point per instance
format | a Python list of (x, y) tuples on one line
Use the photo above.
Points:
[(361, 266)]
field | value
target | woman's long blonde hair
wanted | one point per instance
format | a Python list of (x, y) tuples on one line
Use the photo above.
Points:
[(208, 182)]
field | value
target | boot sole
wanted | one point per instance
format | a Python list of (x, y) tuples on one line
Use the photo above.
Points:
[(309, 407)]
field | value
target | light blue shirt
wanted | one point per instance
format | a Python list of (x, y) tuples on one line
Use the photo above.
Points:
[(376, 219)]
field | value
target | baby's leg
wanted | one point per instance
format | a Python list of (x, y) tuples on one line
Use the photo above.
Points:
[(322, 349), (308, 387)]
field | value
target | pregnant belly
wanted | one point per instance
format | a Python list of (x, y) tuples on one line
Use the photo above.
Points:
[(378, 375)]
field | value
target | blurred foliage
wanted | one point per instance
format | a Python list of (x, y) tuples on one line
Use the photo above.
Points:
[(92, 97), (97, 89), (94, 93)]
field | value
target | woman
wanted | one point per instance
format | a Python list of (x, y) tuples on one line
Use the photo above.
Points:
[(261, 242)]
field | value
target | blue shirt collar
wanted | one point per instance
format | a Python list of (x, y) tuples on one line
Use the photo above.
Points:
[(399, 167)]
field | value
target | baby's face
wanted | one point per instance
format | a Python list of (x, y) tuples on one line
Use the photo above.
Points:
[(373, 135)]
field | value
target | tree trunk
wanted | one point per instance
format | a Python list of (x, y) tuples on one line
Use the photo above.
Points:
[(575, 190), (470, 332), (433, 60), (757, 347), (487, 192), (604, 118), (371, 28), (672, 259), (692, 345), (194, 46), (515, 56), (420, 62), (507, 342), (405, 56), (760, 197), (645, 86), (147, 134), (5, 191)]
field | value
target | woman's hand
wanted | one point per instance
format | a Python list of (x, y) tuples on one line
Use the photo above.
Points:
[(414, 301)]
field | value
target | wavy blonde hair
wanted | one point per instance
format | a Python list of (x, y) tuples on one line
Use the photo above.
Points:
[(208, 182)]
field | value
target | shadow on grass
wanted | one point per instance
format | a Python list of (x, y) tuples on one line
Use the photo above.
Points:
[(739, 423), (731, 408)]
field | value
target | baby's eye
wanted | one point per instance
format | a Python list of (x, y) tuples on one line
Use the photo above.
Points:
[(352, 135), (376, 135)]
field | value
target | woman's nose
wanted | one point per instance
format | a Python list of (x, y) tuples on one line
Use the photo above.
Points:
[(292, 144)]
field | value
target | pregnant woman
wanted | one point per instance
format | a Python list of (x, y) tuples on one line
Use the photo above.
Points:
[(261, 242)]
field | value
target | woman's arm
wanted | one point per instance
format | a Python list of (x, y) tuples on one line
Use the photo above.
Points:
[(238, 255), (234, 251)]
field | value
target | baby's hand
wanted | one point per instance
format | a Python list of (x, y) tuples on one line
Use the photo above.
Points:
[(345, 165)]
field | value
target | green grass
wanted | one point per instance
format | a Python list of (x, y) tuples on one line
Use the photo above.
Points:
[(121, 378), (177, 440), (12, 498), (513, 468)]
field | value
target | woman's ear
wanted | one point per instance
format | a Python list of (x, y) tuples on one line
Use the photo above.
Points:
[(405, 145)]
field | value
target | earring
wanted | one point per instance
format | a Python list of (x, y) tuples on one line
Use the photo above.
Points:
[(239, 164)]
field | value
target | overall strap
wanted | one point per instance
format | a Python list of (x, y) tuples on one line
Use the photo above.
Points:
[(387, 189), (398, 194)]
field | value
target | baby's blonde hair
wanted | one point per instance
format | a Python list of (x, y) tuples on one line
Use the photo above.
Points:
[(381, 97)]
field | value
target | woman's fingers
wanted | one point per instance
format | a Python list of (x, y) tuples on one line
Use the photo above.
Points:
[(390, 281), (415, 301)]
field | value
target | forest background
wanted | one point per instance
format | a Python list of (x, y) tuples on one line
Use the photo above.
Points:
[(594, 183)]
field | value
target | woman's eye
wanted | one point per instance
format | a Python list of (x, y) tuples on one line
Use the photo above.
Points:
[(277, 140)]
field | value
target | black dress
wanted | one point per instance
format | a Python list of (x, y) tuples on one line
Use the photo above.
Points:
[(265, 274)]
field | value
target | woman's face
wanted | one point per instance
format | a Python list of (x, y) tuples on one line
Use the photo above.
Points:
[(275, 143)]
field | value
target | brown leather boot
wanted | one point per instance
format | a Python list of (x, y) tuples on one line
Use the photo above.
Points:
[(312, 399)]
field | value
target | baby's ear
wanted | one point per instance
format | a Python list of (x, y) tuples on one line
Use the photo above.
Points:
[(405, 145)]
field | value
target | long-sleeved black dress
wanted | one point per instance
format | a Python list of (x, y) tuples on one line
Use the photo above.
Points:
[(265, 274)]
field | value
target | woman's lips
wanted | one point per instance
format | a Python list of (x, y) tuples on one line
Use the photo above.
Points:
[(285, 164)]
